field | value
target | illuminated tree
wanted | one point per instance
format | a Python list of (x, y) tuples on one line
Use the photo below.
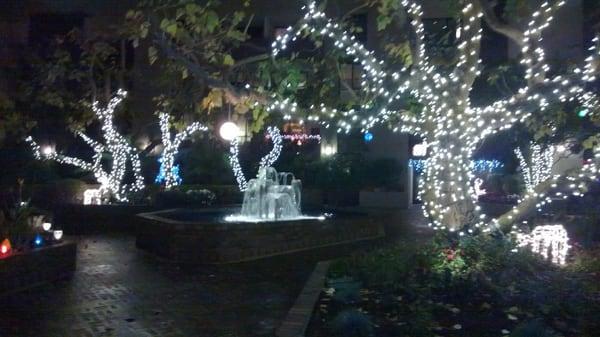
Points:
[(168, 173), (538, 168), (112, 181), (448, 121), (268, 160)]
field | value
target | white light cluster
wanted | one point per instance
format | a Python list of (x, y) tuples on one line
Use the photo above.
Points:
[(111, 182), (299, 137), (273, 155), (478, 187), (171, 147), (268, 160), (92, 196), (448, 122), (539, 166), (549, 241)]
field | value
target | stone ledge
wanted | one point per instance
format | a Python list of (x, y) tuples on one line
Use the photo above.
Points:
[(22, 271), (297, 319)]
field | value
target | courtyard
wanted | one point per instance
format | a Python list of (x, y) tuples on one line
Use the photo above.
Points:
[(341, 168)]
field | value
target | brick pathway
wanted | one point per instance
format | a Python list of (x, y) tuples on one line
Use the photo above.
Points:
[(118, 290)]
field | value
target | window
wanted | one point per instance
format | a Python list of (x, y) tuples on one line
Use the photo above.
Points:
[(351, 74)]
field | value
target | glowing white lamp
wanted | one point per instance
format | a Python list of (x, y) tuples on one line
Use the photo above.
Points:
[(46, 226), (229, 131), (47, 150), (58, 234), (420, 150)]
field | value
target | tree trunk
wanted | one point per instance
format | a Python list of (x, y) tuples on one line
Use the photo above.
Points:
[(447, 186)]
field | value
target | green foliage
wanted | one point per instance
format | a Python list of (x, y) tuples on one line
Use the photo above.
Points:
[(533, 328), (17, 222), (432, 284), (179, 198), (192, 41)]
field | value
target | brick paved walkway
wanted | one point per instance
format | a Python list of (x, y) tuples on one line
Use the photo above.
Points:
[(118, 290)]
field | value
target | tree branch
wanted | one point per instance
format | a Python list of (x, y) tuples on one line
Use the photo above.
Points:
[(499, 27), (232, 94)]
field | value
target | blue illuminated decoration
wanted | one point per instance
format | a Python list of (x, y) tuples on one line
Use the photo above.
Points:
[(368, 136), (484, 165), (417, 164), (478, 166), (38, 240), (160, 178), (582, 112)]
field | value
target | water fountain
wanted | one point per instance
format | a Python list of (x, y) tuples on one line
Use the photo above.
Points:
[(269, 223), (272, 196)]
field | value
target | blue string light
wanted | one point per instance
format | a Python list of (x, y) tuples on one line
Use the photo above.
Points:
[(478, 166), (484, 165), (368, 136), (160, 177)]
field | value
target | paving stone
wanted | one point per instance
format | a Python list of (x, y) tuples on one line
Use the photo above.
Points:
[(118, 290)]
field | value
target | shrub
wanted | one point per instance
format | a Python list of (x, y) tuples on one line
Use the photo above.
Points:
[(189, 198), (64, 191), (352, 323)]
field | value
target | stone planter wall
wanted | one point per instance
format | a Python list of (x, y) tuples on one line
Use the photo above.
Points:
[(85, 219), (221, 242), (36, 267)]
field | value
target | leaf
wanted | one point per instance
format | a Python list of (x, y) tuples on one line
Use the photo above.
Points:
[(214, 99), (228, 60), (184, 73), (210, 21), (172, 29), (383, 21)]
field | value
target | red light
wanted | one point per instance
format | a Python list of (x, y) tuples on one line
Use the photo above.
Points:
[(5, 247)]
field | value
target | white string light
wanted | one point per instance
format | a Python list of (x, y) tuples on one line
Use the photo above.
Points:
[(171, 148), (448, 122), (268, 160), (549, 241), (111, 182), (539, 167)]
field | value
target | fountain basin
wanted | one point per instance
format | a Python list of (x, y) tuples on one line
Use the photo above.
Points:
[(203, 236)]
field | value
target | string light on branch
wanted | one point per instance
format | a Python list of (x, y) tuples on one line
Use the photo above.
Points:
[(115, 145), (168, 171), (449, 123), (539, 166), (273, 155), (268, 160)]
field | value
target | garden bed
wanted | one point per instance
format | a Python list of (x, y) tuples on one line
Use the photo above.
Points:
[(481, 289), (23, 270)]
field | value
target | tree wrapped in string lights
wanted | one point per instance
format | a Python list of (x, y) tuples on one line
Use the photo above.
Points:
[(169, 172), (112, 181), (538, 168), (267, 161), (449, 122)]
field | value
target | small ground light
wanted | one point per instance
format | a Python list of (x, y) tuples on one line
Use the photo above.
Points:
[(368, 137), (5, 247), (38, 240), (58, 234), (46, 226)]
